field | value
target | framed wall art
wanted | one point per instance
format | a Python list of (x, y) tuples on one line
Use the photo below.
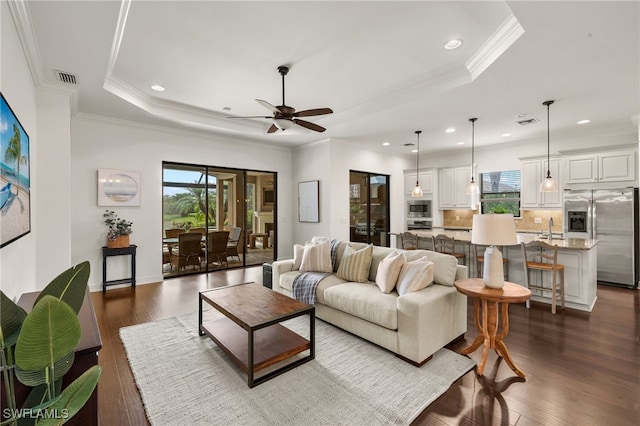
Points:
[(118, 188), (15, 186), (308, 201)]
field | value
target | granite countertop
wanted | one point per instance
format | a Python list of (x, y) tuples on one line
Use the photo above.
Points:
[(465, 236)]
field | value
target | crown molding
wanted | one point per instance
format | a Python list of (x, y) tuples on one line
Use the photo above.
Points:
[(495, 46)]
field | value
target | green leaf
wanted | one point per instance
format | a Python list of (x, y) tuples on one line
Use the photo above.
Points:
[(49, 332), (38, 377), (73, 398), (11, 318), (69, 286)]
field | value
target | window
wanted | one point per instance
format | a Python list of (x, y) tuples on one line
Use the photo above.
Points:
[(500, 192), (369, 208)]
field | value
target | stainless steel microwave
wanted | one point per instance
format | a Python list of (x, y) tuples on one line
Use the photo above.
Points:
[(419, 208)]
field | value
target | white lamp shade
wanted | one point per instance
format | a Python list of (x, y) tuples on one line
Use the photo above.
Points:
[(493, 230)]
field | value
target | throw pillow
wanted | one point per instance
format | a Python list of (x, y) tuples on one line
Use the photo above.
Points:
[(316, 257), (355, 264), (415, 276), (298, 250), (389, 271)]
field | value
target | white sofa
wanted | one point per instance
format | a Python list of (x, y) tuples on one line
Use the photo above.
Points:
[(413, 326)]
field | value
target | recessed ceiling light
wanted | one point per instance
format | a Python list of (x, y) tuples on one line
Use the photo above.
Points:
[(226, 109), (584, 121), (157, 88), (414, 150), (460, 143), (386, 143), (450, 130), (453, 44), (524, 114), (506, 135)]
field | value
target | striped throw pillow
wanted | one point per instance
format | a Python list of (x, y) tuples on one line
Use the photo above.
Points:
[(316, 258), (415, 276), (355, 264)]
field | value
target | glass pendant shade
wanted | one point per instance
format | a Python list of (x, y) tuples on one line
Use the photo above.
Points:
[(548, 184), (473, 188), (417, 191)]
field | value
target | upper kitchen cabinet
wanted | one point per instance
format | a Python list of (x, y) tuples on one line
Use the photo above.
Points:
[(425, 178), (453, 182), (614, 166), (533, 172)]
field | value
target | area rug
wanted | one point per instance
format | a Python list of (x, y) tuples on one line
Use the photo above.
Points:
[(184, 378)]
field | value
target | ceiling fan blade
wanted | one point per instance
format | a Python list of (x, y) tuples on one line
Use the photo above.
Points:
[(272, 129), (309, 125), (310, 112), (248, 116), (267, 105)]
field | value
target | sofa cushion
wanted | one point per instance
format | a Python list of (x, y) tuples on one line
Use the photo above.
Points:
[(287, 278), (364, 301), (378, 254), (414, 276), (445, 265), (325, 283), (355, 264), (316, 257), (389, 271)]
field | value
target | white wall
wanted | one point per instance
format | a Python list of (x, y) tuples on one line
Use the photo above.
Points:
[(18, 260), (98, 143)]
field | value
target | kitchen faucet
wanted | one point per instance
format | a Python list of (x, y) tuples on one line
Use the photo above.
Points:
[(549, 236)]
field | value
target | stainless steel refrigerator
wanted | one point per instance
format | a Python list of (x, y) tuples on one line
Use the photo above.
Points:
[(610, 216)]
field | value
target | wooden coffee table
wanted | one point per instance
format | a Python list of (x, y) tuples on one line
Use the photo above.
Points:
[(486, 317), (250, 333)]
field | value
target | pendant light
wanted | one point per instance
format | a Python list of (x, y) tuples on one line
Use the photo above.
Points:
[(473, 189), (417, 191), (548, 184)]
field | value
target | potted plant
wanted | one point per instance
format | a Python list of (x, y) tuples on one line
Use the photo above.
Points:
[(38, 349), (118, 230)]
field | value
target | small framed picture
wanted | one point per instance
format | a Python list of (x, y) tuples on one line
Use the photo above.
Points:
[(118, 188)]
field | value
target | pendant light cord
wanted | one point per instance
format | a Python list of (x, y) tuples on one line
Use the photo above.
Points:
[(473, 138), (418, 156), (548, 103)]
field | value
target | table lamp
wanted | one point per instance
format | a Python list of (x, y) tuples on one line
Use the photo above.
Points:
[(493, 230)]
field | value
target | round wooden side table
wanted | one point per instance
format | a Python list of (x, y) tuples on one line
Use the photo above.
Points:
[(486, 303)]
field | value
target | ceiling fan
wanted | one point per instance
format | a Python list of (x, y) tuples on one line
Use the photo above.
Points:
[(285, 117)]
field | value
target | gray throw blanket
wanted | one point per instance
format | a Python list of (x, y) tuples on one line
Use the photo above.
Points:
[(304, 285)]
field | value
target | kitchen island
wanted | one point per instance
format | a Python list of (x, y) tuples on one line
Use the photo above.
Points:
[(579, 257)]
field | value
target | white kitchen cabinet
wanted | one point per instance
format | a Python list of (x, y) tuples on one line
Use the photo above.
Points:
[(533, 172), (614, 166), (425, 177), (453, 182)]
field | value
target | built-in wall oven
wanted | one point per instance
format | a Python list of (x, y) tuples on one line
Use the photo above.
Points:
[(418, 224), (419, 209)]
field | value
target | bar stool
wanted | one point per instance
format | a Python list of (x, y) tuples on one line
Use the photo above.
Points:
[(447, 245), (409, 241), (480, 261), (540, 256)]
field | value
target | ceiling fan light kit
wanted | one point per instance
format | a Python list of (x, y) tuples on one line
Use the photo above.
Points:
[(285, 117)]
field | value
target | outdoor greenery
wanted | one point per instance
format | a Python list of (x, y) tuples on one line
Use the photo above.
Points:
[(13, 153)]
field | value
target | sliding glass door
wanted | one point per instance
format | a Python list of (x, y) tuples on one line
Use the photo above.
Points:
[(232, 210), (369, 208)]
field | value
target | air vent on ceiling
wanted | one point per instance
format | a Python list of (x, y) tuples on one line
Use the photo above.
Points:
[(408, 144), (66, 77), (527, 122)]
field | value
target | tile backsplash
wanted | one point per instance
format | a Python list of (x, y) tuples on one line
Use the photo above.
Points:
[(526, 222)]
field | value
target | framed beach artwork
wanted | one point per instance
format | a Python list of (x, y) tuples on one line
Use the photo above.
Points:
[(308, 201), (118, 188), (15, 186)]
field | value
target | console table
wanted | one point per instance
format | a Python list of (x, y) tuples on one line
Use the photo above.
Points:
[(120, 251)]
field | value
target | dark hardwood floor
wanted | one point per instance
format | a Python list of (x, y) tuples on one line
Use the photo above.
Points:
[(581, 368)]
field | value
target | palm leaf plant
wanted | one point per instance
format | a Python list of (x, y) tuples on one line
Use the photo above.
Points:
[(38, 349)]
